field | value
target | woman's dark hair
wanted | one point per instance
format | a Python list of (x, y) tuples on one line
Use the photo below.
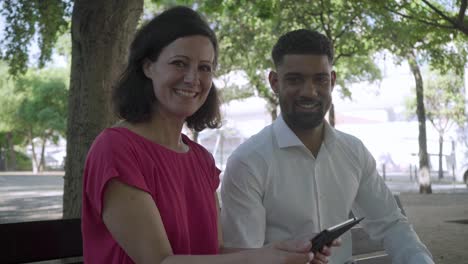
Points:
[(133, 97)]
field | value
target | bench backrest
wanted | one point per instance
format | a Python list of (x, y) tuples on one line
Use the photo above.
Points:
[(40, 240)]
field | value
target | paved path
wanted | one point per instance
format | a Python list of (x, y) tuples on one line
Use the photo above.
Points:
[(29, 198), (441, 220)]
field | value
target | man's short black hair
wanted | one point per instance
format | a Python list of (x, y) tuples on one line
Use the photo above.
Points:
[(302, 41)]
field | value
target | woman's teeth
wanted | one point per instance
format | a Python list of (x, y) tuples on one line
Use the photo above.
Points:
[(185, 93)]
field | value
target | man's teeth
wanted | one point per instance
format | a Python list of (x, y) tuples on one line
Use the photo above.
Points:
[(185, 93), (306, 105)]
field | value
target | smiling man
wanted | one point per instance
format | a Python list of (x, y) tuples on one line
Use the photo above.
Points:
[(299, 175)]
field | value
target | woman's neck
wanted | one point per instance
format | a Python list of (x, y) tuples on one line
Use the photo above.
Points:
[(163, 131)]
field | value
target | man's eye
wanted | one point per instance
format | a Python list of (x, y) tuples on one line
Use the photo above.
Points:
[(293, 80), (321, 80)]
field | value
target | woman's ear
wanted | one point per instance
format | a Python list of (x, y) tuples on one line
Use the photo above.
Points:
[(147, 67)]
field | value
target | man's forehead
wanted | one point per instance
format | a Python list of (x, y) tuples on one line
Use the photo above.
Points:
[(304, 63)]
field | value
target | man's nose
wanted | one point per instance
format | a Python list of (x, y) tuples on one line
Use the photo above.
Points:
[(310, 89)]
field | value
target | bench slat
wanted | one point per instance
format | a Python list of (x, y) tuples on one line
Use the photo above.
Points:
[(40, 240), (380, 259), (362, 244)]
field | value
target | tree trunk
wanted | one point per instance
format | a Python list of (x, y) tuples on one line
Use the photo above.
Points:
[(441, 146), (11, 160), (42, 160), (331, 115), (33, 152), (101, 34), (424, 170)]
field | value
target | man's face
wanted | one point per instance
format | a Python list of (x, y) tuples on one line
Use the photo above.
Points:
[(304, 84)]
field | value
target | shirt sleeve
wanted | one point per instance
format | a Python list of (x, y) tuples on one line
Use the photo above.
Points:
[(215, 172), (384, 220), (111, 156), (242, 212)]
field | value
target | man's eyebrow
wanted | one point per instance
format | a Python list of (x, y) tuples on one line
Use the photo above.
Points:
[(322, 74), (293, 74)]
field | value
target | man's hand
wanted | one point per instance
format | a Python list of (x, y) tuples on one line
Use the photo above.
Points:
[(322, 256)]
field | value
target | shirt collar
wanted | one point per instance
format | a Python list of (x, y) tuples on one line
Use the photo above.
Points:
[(285, 137)]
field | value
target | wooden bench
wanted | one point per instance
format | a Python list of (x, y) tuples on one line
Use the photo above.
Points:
[(368, 251), (27, 242)]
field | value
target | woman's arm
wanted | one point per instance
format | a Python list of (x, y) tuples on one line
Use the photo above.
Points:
[(134, 221)]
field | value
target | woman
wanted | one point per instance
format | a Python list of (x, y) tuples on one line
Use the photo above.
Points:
[(149, 192)]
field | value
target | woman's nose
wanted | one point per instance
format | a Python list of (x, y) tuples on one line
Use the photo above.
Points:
[(192, 76)]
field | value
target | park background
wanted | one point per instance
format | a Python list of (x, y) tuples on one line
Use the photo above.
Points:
[(399, 64)]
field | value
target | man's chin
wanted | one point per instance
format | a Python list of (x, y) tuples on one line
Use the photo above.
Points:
[(305, 122)]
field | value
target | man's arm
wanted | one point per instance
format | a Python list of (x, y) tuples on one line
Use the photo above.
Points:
[(242, 211), (384, 220)]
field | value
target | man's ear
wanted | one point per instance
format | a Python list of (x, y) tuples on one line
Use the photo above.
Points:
[(333, 79), (273, 79), (147, 67)]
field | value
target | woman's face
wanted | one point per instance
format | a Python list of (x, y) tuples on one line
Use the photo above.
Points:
[(182, 76)]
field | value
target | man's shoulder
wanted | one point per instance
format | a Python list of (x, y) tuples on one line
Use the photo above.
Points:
[(256, 145), (347, 140)]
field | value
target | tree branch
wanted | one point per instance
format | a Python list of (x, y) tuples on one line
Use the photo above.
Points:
[(461, 13), (346, 27), (418, 19), (440, 13)]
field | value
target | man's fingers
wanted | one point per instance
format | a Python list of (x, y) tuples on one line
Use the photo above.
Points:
[(294, 246), (336, 242), (299, 258), (320, 258), (326, 251)]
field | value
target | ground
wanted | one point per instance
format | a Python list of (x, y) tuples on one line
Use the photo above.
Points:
[(441, 221)]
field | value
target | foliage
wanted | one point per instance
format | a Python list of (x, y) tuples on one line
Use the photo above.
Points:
[(441, 14), (442, 99), (26, 20), (43, 105), (248, 30), (42, 112), (411, 26)]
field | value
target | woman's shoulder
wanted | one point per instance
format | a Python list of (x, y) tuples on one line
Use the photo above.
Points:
[(196, 148), (113, 138)]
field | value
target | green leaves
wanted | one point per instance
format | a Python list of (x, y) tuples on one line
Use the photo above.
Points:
[(248, 30), (44, 103), (25, 20)]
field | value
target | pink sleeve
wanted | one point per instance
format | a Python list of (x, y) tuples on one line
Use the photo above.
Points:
[(214, 180), (111, 156)]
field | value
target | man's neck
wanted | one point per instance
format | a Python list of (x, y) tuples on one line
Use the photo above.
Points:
[(311, 138)]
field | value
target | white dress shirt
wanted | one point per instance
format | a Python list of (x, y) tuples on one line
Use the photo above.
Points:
[(274, 189)]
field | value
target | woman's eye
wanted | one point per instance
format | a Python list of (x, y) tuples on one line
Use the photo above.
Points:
[(179, 64), (205, 68)]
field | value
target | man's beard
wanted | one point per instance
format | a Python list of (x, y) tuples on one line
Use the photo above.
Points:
[(304, 120)]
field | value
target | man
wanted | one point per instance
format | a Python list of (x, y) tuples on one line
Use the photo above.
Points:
[(299, 175)]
